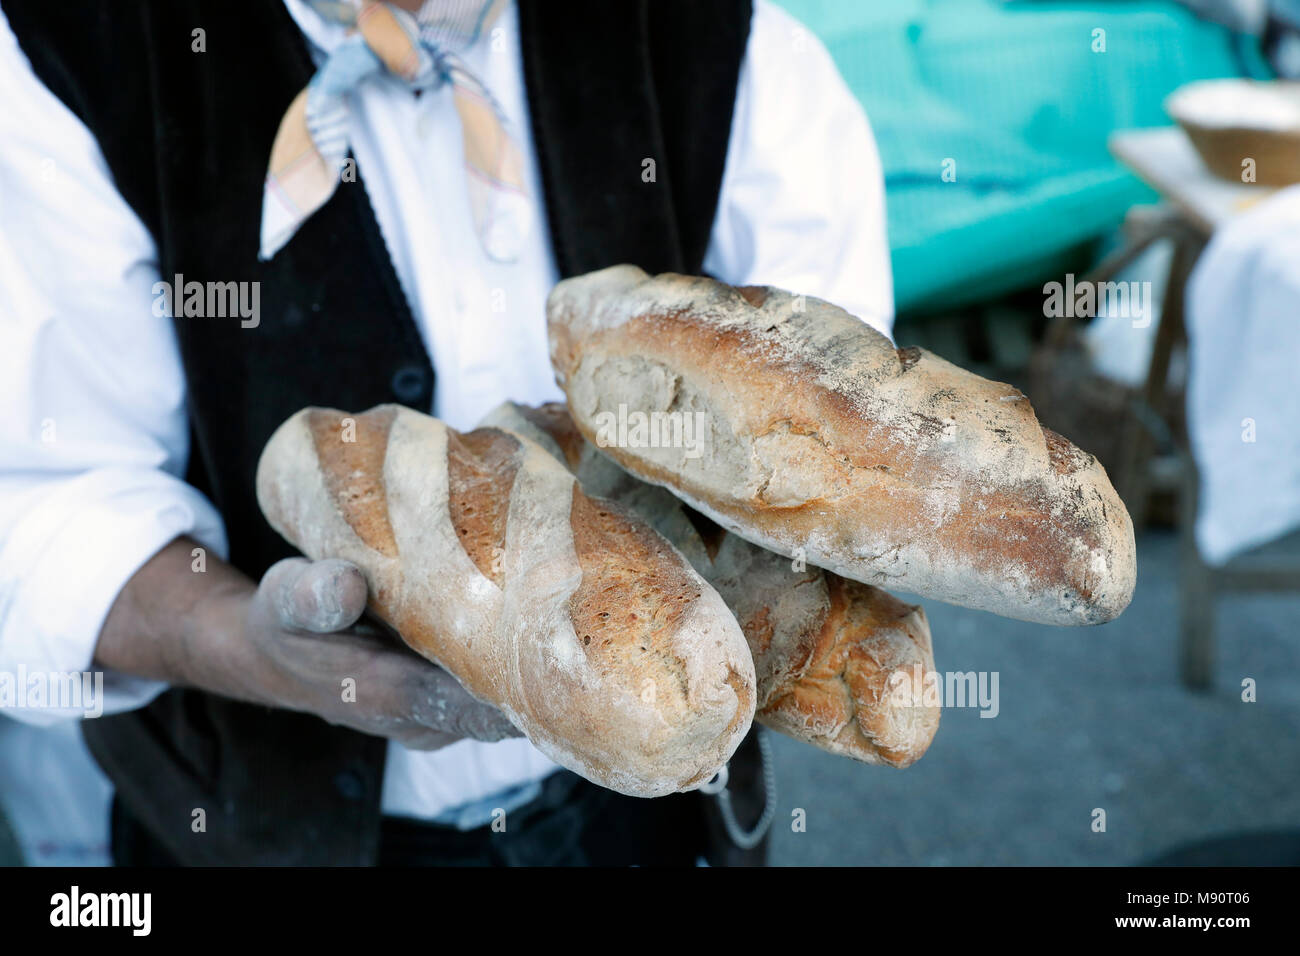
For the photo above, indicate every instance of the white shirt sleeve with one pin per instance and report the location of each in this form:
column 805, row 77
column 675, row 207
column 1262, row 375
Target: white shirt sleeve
column 802, row 205
column 94, row 437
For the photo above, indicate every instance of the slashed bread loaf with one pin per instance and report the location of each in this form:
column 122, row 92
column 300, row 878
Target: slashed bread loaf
column 594, row 636
column 888, row 466
column 840, row 664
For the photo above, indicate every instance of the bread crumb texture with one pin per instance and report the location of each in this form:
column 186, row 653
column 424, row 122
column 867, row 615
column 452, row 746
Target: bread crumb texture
column 351, row 450
column 481, row 468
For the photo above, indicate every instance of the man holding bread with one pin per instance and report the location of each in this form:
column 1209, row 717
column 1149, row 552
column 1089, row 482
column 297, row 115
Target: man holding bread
column 215, row 215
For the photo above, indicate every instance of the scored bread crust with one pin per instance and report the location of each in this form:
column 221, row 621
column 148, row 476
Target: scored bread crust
column 888, row 466
column 839, row 664
column 586, row 628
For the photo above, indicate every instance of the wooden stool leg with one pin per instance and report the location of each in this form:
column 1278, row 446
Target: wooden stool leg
column 1135, row 453
column 1195, row 593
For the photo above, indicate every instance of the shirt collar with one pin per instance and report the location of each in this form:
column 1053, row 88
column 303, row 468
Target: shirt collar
column 324, row 36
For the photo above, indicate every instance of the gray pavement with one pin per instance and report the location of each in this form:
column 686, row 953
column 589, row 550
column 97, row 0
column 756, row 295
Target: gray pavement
column 1089, row 718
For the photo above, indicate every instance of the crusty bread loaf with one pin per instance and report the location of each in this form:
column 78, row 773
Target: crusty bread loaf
column 595, row 637
column 837, row 662
column 888, row 466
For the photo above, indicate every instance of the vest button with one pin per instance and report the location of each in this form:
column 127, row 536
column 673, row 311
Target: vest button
column 350, row 785
column 410, row 383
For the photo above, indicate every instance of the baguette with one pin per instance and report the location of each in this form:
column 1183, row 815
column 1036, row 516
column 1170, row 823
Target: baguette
column 585, row 627
column 837, row 662
column 888, row 466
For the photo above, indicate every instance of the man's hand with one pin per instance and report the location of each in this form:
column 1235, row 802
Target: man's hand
column 301, row 628
column 292, row 642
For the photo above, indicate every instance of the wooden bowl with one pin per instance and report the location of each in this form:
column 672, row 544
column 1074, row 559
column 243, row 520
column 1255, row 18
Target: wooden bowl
column 1230, row 121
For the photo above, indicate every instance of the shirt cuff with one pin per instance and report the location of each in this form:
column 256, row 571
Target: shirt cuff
column 61, row 569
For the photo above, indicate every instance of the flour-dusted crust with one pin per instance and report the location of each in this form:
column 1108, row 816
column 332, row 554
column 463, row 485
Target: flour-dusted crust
column 888, row 466
column 839, row 664
column 593, row 635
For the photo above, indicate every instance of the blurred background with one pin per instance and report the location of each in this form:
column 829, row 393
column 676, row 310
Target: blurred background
column 1032, row 143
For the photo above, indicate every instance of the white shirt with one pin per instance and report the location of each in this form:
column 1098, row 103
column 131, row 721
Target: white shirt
column 94, row 440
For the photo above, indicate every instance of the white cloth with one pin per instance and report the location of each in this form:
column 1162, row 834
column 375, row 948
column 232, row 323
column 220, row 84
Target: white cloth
column 802, row 206
column 55, row 798
column 1243, row 326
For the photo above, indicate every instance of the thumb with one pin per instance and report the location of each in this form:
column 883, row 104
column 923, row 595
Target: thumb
column 315, row 596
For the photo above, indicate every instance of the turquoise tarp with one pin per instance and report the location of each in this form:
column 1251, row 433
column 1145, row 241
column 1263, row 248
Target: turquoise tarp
column 1016, row 94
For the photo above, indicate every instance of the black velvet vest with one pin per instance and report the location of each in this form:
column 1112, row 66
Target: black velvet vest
column 187, row 135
